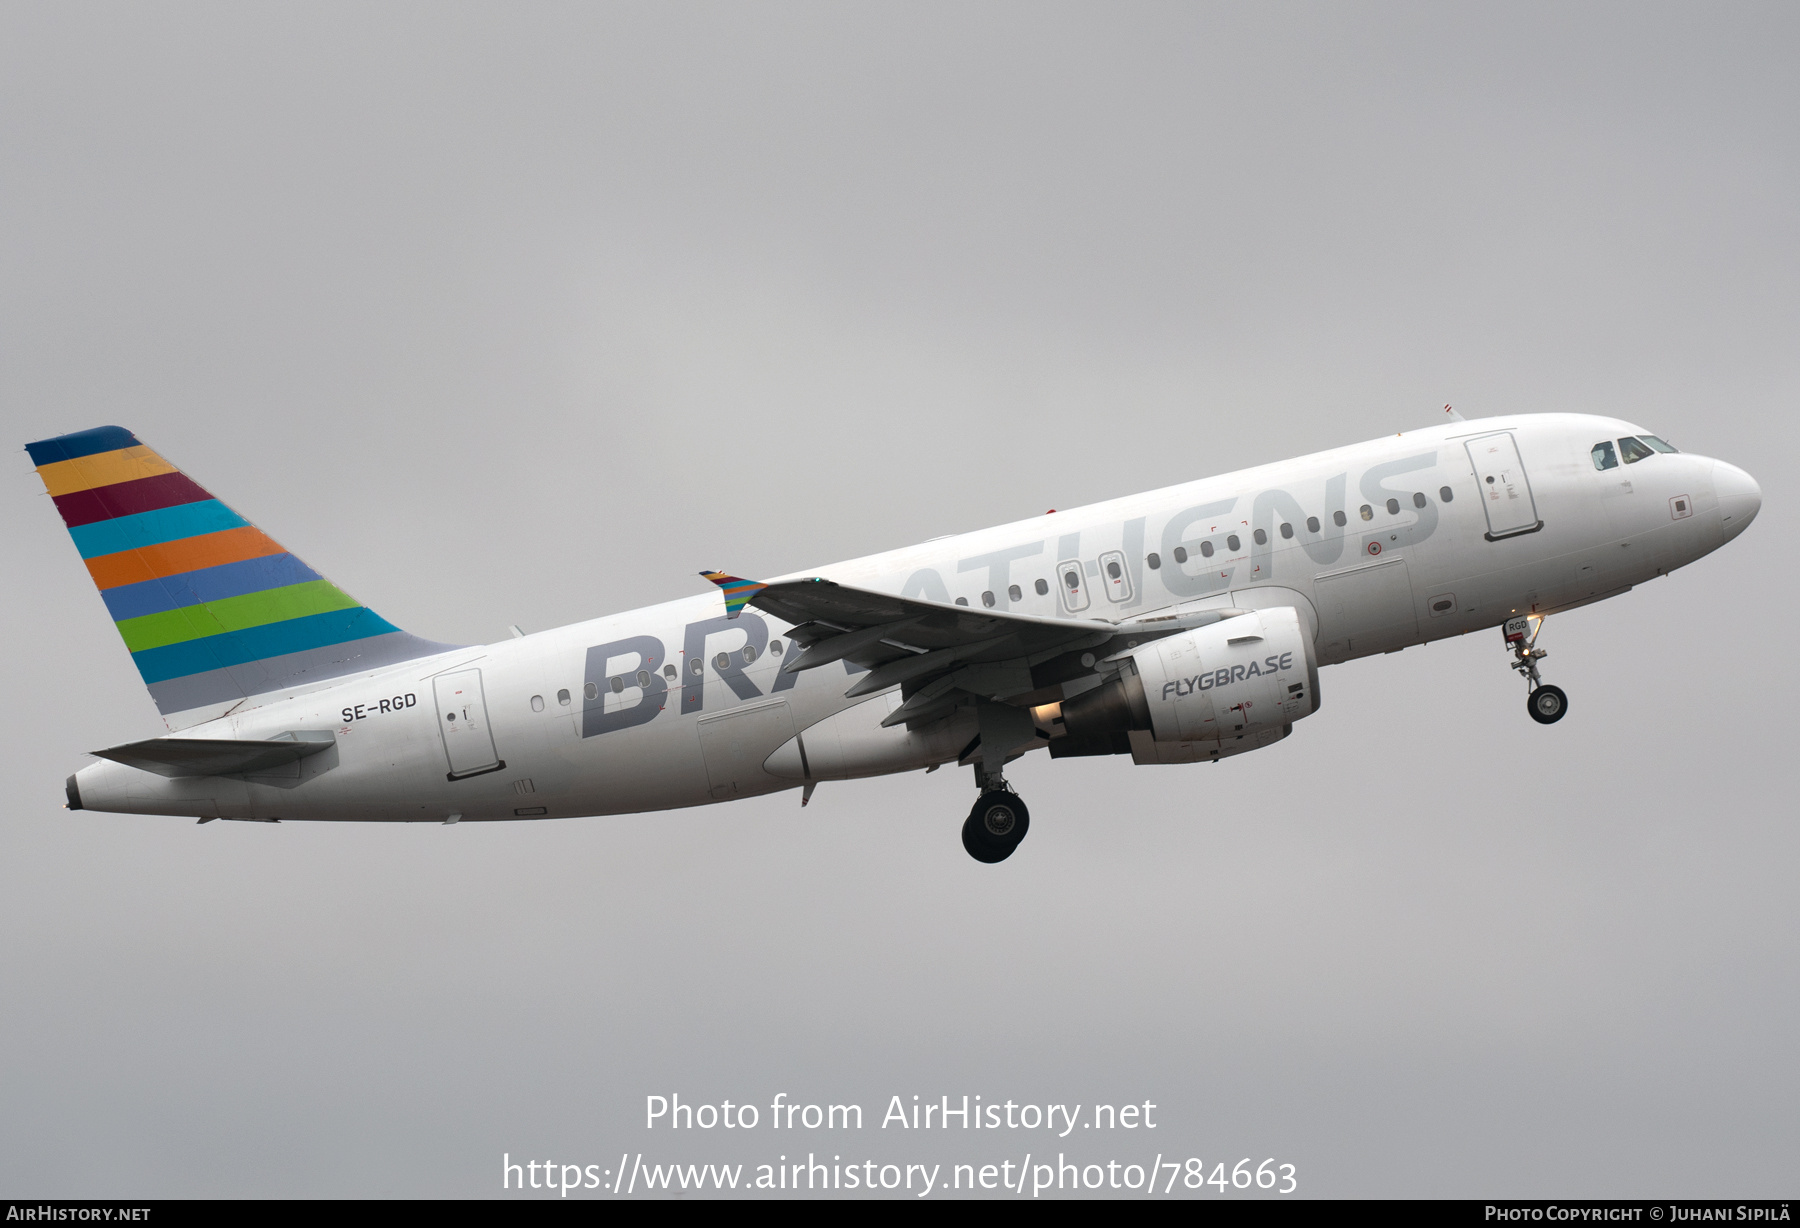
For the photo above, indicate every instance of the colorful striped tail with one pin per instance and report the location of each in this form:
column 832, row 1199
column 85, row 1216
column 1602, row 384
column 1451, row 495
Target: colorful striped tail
column 212, row 609
column 738, row 591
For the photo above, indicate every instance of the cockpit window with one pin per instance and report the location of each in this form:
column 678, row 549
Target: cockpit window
column 1661, row 445
column 1603, row 455
column 1634, row 450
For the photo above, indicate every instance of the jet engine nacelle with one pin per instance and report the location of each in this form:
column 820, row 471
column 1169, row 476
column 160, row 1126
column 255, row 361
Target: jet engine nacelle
column 1230, row 679
column 1243, row 680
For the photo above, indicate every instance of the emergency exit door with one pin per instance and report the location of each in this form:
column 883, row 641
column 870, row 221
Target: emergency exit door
column 463, row 723
column 1505, row 490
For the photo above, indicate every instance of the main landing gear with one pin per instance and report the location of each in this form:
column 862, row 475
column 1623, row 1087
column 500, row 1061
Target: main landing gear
column 1546, row 703
column 998, row 822
column 996, row 826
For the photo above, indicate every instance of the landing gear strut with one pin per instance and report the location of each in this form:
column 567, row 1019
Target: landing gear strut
column 1546, row 703
column 998, row 822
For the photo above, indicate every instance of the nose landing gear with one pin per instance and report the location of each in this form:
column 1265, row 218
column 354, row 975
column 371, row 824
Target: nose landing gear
column 998, row 822
column 1546, row 703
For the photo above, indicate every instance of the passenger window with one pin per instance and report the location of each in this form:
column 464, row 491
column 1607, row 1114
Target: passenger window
column 696, row 667
column 591, row 690
column 668, row 672
column 1312, row 524
column 1072, row 578
column 1659, row 444
column 1232, row 544
column 987, row 599
column 962, row 601
column 1367, row 512
column 1287, row 530
column 1113, row 570
column 1260, row 538
column 1181, row 554
column 1418, row 498
column 1634, row 450
column 1446, row 494
column 1393, row 506
column 749, row 653
column 1043, row 587
column 562, row 697
column 643, row 677
column 775, row 647
column 537, row 703
column 616, row 683
column 1337, row 518
column 1206, row 549
column 1014, row 593
column 1153, row 560
column 1603, row 455
column 722, row 661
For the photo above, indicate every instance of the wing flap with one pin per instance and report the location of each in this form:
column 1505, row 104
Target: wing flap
column 910, row 667
column 941, row 655
column 837, row 647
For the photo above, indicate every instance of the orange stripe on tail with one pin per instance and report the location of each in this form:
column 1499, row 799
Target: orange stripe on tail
column 187, row 554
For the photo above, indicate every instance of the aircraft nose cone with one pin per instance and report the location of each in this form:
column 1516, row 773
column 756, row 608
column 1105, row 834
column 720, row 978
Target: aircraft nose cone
column 1740, row 498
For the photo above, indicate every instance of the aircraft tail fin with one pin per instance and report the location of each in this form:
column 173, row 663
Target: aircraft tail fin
column 212, row 609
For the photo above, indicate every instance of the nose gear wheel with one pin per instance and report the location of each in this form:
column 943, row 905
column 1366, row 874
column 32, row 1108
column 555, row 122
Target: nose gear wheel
column 1547, row 704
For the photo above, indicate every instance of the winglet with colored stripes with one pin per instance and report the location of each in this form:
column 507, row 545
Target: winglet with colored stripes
column 738, row 592
column 212, row 610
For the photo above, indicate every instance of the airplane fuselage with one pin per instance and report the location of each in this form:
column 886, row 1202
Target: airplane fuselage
column 1378, row 546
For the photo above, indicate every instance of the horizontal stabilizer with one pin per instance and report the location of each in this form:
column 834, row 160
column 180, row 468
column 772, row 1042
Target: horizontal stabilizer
column 218, row 756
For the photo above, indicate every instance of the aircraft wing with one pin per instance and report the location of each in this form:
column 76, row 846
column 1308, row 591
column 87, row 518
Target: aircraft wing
column 931, row 649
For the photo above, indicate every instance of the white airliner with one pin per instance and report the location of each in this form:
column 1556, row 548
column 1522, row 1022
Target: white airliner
column 1184, row 625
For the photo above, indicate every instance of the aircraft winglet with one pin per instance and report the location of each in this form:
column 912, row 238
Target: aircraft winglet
column 737, row 591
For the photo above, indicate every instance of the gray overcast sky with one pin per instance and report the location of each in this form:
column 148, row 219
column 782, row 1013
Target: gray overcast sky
column 524, row 314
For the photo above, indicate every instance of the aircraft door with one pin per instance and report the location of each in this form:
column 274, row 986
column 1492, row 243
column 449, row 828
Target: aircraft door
column 1070, row 583
column 463, row 724
column 1115, row 577
column 1505, row 490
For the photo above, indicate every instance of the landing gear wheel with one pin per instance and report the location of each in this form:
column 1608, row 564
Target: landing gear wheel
column 979, row 851
column 995, row 826
column 1547, row 704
